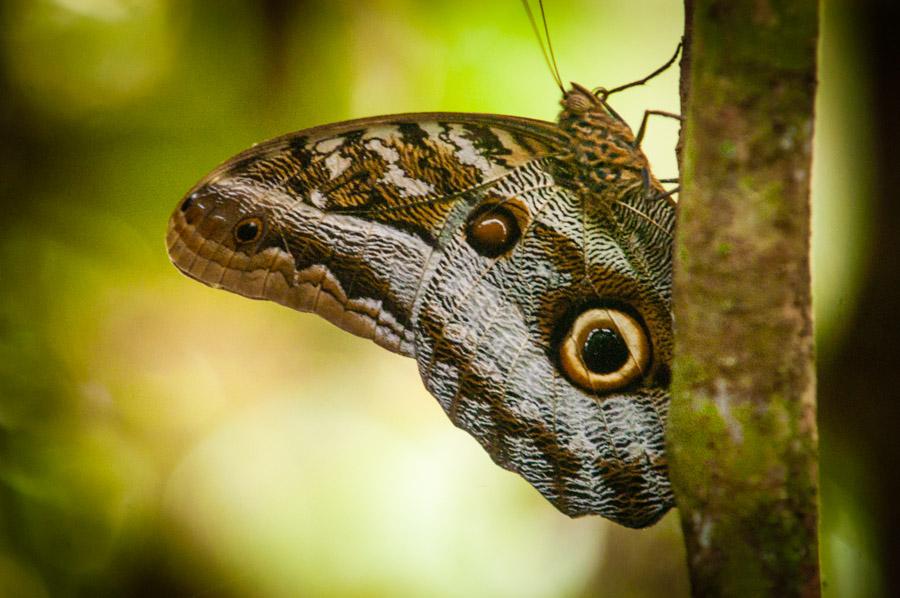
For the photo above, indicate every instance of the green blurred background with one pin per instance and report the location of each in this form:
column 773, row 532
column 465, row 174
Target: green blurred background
column 159, row 438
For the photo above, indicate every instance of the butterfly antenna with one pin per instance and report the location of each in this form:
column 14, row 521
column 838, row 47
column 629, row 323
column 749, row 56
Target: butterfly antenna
column 605, row 93
column 550, row 46
column 550, row 58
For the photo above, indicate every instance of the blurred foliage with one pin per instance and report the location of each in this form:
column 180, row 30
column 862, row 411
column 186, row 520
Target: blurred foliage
column 160, row 438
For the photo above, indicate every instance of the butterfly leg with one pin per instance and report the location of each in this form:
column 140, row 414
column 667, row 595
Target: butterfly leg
column 602, row 93
column 645, row 175
column 643, row 128
column 605, row 93
column 666, row 194
column 645, row 178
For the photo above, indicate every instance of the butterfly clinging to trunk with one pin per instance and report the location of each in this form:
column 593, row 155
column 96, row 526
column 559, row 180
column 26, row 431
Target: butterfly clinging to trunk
column 525, row 265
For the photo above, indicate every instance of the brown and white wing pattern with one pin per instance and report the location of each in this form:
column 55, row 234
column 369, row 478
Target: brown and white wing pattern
column 465, row 242
column 348, row 216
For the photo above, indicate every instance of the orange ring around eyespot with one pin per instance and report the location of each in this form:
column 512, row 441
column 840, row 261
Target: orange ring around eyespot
column 631, row 332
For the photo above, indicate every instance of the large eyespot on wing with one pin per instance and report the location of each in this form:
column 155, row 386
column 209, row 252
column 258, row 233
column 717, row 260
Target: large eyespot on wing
column 605, row 349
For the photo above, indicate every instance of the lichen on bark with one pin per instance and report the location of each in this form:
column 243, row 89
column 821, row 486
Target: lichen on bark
column 741, row 434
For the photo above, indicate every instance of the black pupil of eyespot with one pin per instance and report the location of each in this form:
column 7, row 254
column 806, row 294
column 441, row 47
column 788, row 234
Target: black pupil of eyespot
column 247, row 231
column 188, row 202
column 605, row 351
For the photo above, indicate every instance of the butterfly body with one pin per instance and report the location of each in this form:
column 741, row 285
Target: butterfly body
column 512, row 258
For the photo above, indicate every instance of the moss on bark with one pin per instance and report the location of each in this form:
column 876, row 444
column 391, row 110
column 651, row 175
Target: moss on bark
column 742, row 434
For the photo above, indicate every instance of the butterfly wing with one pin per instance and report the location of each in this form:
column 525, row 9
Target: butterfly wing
column 487, row 341
column 369, row 224
column 352, row 213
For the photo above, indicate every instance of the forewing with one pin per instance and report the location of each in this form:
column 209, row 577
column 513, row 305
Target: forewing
column 353, row 213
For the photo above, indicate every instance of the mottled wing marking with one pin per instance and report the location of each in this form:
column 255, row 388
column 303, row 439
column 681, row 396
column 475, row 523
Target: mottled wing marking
column 366, row 204
column 485, row 350
column 405, row 174
column 366, row 226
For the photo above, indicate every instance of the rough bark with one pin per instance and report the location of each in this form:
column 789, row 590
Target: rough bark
column 742, row 431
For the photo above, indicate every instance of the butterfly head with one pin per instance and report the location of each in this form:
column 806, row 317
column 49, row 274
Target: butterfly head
column 579, row 100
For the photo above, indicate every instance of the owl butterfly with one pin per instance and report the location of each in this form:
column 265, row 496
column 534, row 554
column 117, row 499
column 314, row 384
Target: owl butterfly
column 525, row 265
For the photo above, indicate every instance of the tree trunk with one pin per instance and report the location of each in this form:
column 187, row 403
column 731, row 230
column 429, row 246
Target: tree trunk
column 742, row 439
